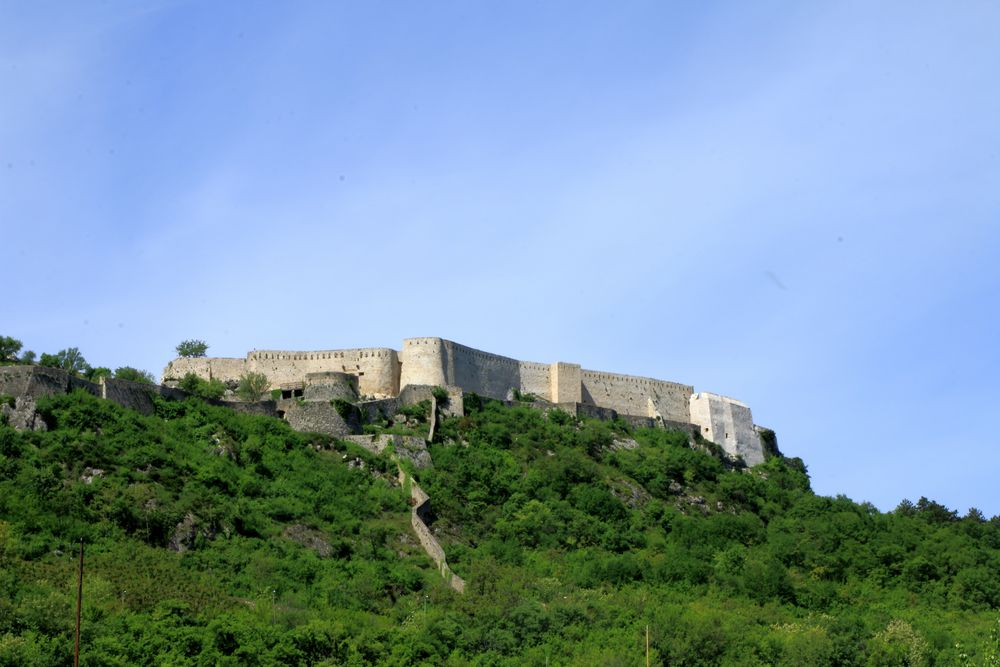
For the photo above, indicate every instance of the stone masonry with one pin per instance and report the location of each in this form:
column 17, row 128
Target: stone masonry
column 383, row 373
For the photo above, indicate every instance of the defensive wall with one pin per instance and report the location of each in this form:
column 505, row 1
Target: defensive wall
column 383, row 373
column 727, row 422
column 38, row 381
column 376, row 368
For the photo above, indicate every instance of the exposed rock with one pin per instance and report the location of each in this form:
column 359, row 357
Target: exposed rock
column 90, row 474
column 675, row 488
column 413, row 449
column 184, row 534
column 631, row 494
column 23, row 416
column 623, row 443
column 407, row 447
column 309, row 538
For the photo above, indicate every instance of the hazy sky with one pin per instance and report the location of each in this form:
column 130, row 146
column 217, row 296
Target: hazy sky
column 793, row 203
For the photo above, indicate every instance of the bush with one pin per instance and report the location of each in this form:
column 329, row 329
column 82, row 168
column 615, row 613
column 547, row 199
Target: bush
column 211, row 389
column 252, row 386
column 134, row 375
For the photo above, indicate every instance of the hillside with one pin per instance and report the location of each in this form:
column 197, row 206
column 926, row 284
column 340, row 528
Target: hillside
column 219, row 538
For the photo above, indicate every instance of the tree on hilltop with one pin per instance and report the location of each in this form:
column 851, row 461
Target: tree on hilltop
column 69, row 359
column 9, row 347
column 192, row 348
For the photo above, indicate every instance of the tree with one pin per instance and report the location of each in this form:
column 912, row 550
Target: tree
column 134, row 375
column 95, row 374
column 28, row 357
column 69, row 359
column 253, row 386
column 211, row 389
column 192, row 348
column 9, row 347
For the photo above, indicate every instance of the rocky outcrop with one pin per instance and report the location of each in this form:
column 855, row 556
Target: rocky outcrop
column 309, row 538
column 23, row 416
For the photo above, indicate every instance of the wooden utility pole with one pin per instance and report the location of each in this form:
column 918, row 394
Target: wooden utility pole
column 79, row 605
column 647, row 645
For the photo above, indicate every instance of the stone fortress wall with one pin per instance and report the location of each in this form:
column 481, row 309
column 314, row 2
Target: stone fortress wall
column 428, row 362
column 729, row 423
column 377, row 369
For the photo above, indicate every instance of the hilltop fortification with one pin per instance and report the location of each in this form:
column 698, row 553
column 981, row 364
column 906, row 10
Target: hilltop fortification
column 383, row 373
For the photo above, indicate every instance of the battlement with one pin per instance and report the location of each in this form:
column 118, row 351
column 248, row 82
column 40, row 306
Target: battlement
column 432, row 361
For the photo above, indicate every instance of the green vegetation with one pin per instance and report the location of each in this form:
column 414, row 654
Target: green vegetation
column 219, row 538
column 69, row 359
column 253, row 386
column 440, row 394
column 212, row 538
column 9, row 349
column 134, row 375
column 212, row 389
column 192, row 348
column 524, row 397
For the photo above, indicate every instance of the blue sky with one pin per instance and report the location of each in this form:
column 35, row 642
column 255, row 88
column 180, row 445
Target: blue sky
column 795, row 204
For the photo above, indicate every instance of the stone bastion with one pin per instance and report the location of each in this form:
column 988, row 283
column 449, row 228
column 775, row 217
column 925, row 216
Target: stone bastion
column 382, row 373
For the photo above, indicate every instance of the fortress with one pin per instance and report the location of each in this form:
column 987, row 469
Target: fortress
column 384, row 373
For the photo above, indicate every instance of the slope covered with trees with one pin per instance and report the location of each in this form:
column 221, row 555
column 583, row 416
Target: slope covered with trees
column 218, row 538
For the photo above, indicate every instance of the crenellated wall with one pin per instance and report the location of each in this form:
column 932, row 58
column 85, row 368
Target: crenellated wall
column 377, row 368
column 435, row 361
column 632, row 395
column 220, row 368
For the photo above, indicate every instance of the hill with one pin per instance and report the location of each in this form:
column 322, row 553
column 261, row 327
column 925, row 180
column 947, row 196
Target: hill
column 221, row 538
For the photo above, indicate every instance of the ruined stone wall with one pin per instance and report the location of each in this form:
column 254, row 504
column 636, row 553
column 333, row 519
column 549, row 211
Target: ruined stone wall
column 639, row 396
column 331, row 385
column 728, row 423
column 420, row 502
column 220, row 368
column 314, row 417
column 39, row 381
column 136, row 395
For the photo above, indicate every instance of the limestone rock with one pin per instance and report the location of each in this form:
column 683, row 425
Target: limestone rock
column 23, row 416
column 184, row 534
column 623, row 443
column 90, row 474
column 309, row 538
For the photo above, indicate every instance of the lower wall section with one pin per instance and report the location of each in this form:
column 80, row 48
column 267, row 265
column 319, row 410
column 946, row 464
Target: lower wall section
column 314, row 417
column 420, row 502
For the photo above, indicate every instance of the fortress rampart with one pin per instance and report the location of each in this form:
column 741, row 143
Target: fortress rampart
column 376, row 368
column 428, row 362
